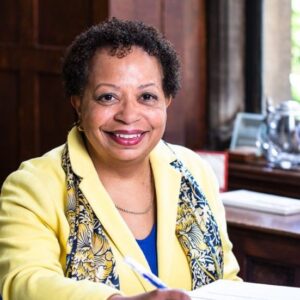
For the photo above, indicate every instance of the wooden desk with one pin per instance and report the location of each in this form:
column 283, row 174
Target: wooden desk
column 267, row 246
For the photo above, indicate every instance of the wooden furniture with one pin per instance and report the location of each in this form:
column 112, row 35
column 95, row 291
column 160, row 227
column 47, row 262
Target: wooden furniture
column 267, row 246
column 255, row 174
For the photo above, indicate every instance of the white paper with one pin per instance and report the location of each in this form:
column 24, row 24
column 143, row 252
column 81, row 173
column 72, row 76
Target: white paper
column 237, row 290
column 261, row 201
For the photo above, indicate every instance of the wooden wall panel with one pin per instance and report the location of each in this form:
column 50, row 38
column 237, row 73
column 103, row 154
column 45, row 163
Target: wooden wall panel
column 54, row 112
column 265, row 257
column 174, row 29
column 33, row 38
column 195, row 83
column 60, row 21
column 9, row 120
column 148, row 11
column 9, row 21
column 265, row 272
column 28, row 143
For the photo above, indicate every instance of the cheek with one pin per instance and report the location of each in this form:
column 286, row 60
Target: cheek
column 93, row 116
column 159, row 117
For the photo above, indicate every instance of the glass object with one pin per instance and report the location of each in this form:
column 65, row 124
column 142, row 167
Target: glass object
column 279, row 138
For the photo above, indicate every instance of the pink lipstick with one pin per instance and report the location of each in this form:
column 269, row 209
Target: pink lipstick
column 127, row 138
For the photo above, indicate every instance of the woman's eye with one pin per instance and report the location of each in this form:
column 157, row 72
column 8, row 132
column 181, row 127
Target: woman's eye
column 106, row 98
column 148, row 97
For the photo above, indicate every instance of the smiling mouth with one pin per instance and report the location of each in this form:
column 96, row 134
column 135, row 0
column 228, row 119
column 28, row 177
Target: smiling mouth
column 128, row 136
column 127, row 139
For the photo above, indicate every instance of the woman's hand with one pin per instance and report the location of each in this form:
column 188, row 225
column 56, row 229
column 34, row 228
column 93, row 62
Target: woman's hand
column 160, row 294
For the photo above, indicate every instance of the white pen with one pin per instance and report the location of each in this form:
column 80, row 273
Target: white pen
column 149, row 276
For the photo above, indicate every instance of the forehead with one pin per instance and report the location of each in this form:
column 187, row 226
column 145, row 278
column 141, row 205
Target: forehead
column 134, row 61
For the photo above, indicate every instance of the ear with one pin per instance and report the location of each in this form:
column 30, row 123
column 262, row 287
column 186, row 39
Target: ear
column 76, row 103
column 169, row 101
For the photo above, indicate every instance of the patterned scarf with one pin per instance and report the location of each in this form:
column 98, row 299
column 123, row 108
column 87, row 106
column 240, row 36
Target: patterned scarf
column 89, row 255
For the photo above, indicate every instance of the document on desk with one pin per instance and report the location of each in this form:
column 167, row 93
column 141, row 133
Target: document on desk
column 236, row 290
column 262, row 202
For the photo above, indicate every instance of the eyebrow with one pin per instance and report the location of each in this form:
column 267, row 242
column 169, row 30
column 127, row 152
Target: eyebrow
column 107, row 84
column 117, row 87
column 147, row 85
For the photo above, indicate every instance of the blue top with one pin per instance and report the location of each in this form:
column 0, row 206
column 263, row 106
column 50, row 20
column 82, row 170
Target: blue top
column 148, row 246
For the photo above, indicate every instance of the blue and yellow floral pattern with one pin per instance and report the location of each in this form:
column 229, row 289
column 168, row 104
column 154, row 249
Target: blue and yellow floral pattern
column 197, row 231
column 89, row 255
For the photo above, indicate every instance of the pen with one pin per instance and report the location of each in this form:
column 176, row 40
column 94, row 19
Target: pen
column 149, row 276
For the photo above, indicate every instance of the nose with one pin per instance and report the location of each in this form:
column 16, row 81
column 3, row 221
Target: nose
column 128, row 112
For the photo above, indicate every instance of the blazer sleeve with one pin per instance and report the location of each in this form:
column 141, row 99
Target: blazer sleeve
column 30, row 245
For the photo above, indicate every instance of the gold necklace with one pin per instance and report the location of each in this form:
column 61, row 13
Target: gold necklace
column 135, row 212
column 143, row 212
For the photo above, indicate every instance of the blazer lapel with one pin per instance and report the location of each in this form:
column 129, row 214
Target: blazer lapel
column 167, row 184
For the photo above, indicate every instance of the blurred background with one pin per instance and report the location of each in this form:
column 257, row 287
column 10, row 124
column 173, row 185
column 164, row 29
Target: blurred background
column 234, row 54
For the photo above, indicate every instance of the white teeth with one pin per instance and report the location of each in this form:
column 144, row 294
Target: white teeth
column 128, row 136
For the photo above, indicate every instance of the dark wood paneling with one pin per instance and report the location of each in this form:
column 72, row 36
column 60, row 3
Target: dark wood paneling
column 258, row 176
column 265, row 272
column 185, row 25
column 9, row 121
column 27, row 22
column 9, row 21
column 174, row 29
column 29, row 143
column 55, row 114
column 193, row 98
column 148, row 11
column 33, row 37
column 59, row 21
column 266, row 246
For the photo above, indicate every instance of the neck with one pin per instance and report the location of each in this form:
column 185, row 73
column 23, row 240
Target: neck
column 124, row 170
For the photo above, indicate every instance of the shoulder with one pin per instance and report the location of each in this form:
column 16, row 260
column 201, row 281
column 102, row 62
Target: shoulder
column 37, row 188
column 190, row 158
column 198, row 167
column 184, row 152
column 43, row 165
column 37, row 173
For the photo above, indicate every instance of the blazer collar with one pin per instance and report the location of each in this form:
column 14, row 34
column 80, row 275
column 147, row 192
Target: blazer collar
column 167, row 184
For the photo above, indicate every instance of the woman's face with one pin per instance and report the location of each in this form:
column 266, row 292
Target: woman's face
column 123, row 108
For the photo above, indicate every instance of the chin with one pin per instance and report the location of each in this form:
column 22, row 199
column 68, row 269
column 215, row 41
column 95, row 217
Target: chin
column 130, row 155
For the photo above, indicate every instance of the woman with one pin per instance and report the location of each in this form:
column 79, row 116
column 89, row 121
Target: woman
column 115, row 189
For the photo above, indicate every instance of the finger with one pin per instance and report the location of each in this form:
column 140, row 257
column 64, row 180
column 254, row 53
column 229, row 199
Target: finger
column 169, row 294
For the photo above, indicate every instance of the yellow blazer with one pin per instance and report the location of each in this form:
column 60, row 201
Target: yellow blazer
column 34, row 229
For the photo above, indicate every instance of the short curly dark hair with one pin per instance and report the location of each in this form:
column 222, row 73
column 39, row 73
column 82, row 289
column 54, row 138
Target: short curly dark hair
column 119, row 36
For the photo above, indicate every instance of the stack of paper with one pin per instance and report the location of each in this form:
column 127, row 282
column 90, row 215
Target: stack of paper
column 261, row 201
column 235, row 290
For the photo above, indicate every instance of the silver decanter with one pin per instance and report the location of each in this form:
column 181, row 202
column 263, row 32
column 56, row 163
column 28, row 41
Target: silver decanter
column 280, row 135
